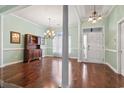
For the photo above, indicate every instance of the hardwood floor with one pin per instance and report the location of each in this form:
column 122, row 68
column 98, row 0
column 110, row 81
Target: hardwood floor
column 47, row 73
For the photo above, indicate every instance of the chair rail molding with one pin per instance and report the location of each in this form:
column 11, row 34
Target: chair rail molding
column 13, row 49
column 111, row 50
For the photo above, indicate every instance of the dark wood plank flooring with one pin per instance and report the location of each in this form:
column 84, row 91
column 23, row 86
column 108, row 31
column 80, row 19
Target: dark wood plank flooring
column 47, row 73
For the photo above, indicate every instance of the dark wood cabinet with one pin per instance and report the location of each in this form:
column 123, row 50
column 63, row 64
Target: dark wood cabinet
column 32, row 48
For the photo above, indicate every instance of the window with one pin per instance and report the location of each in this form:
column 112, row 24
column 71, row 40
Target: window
column 85, row 46
column 57, row 45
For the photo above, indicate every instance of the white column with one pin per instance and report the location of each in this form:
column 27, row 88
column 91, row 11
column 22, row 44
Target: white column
column 0, row 43
column 1, row 47
column 65, row 48
column 1, row 40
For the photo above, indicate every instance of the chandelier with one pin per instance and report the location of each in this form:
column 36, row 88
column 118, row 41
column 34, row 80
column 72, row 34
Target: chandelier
column 50, row 33
column 94, row 17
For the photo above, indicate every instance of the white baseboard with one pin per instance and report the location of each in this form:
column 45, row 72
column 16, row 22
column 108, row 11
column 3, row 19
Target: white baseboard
column 58, row 56
column 85, row 61
column 43, row 55
column 48, row 56
column 122, row 75
column 112, row 67
column 79, row 60
column 73, row 57
column 0, row 65
column 18, row 61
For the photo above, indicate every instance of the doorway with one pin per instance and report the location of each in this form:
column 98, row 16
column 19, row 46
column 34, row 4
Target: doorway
column 121, row 48
column 1, row 41
column 93, row 45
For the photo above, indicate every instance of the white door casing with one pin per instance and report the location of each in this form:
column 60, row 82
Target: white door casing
column 0, row 44
column 1, row 40
column 122, row 47
column 93, row 46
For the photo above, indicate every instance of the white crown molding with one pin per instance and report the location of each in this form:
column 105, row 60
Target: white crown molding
column 17, row 7
column 77, row 13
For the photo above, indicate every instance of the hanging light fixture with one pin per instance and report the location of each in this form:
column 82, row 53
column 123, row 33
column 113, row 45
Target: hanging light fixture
column 94, row 17
column 50, row 33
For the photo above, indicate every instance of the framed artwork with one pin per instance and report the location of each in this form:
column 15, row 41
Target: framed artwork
column 15, row 37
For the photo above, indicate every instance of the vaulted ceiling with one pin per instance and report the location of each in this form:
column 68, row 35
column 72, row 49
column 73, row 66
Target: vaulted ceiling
column 39, row 14
column 86, row 10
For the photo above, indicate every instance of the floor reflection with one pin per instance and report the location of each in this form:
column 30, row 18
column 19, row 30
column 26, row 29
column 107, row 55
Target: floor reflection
column 48, row 74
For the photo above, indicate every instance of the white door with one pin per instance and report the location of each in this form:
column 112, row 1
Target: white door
column 93, row 46
column 0, row 43
column 122, row 48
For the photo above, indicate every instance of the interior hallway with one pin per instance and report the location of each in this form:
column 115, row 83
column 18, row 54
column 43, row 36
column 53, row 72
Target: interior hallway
column 47, row 73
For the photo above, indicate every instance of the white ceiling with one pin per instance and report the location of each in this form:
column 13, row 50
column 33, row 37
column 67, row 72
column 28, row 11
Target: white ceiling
column 86, row 10
column 39, row 14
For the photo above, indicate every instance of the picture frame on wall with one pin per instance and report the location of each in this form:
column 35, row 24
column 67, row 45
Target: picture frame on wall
column 14, row 37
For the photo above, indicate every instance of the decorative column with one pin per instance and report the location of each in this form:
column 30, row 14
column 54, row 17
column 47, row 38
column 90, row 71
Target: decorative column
column 1, row 40
column 65, row 60
column 1, row 48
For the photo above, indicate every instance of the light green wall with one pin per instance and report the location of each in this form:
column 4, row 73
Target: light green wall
column 12, row 23
column 4, row 8
column 111, row 34
column 73, row 32
column 110, row 24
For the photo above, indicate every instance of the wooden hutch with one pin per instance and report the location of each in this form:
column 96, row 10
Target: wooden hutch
column 32, row 48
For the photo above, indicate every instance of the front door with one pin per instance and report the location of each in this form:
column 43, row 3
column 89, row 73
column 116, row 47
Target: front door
column 93, row 45
column 122, row 47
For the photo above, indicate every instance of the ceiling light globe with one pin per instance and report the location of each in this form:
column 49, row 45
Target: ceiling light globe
column 94, row 21
column 90, row 19
column 100, row 17
column 50, row 34
column 53, row 32
column 44, row 33
column 48, row 31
